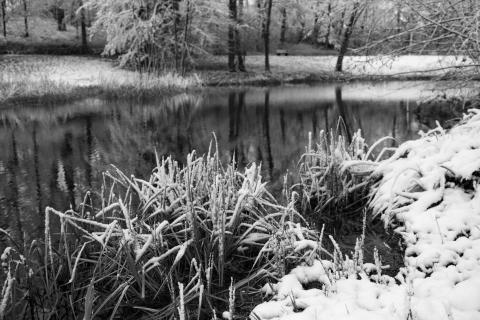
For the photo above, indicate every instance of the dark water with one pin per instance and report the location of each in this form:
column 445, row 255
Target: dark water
column 51, row 155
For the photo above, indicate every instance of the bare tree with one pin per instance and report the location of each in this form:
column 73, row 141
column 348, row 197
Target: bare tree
column 329, row 23
column 455, row 25
column 176, row 31
column 356, row 11
column 340, row 22
column 301, row 21
column 266, row 32
column 58, row 13
column 83, row 27
column 437, row 26
column 3, row 5
column 283, row 25
column 25, row 18
column 235, row 10
column 316, row 23
column 232, row 11
column 238, row 38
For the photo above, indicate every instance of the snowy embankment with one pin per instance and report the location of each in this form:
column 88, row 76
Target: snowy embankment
column 428, row 192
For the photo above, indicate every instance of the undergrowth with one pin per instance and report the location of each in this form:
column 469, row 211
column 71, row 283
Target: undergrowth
column 190, row 242
column 335, row 178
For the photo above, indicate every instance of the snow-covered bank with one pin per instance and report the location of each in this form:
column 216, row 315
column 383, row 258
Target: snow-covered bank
column 429, row 192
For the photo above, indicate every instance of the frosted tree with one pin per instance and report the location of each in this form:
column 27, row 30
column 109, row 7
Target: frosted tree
column 156, row 35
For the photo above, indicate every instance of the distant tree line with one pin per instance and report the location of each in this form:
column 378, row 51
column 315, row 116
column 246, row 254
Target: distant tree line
column 62, row 11
column 171, row 34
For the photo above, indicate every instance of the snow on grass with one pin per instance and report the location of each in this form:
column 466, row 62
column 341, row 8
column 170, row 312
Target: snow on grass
column 359, row 65
column 391, row 65
column 24, row 76
column 429, row 191
column 78, row 71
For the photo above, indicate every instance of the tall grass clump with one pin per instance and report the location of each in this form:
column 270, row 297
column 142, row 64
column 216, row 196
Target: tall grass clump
column 335, row 178
column 189, row 242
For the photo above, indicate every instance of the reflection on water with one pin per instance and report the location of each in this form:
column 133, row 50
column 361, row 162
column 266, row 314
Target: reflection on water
column 51, row 155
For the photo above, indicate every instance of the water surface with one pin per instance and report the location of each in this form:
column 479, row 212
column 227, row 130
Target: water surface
column 52, row 154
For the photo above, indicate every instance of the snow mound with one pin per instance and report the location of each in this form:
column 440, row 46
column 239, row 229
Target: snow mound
column 428, row 190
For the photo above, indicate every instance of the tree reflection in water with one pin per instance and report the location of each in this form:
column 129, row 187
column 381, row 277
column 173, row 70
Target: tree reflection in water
column 53, row 154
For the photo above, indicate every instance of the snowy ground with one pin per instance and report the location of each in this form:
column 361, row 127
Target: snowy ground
column 72, row 71
column 23, row 77
column 429, row 193
column 358, row 65
column 42, row 72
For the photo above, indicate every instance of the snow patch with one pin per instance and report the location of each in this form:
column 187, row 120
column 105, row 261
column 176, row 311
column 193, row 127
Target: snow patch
column 429, row 190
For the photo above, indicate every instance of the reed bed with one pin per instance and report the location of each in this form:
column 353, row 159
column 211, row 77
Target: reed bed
column 335, row 177
column 190, row 242
column 335, row 183
column 201, row 240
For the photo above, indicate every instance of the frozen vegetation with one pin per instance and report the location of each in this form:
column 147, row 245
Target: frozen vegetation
column 205, row 239
column 428, row 193
column 31, row 78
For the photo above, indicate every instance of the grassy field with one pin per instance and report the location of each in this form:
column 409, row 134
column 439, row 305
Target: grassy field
column 34, row 78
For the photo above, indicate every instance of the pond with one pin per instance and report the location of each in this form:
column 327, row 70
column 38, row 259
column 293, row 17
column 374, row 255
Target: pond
column 52, row 154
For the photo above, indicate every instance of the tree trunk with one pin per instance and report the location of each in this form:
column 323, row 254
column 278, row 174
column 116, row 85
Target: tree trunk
column 59, row 14
column 329, row 24
column 266, row 32
column 283, row 27
column 238, row 38
column 232, row 14
column 301, row 32
column 25, row 17
column 346, row 35
column 4, row 18
column 316, row 28
column 399, row 23
column 259, row 4
column 342, row 18
column 185, row 48
column 83, row 27
column 176, row 26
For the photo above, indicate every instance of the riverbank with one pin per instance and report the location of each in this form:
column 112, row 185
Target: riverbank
column 301, row 69
column 37, row 78
column 43, row 78
column 209, row 228
column 428, row 193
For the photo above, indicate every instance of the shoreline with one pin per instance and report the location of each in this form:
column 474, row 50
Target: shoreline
column 429, row 201
column 70, row 82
